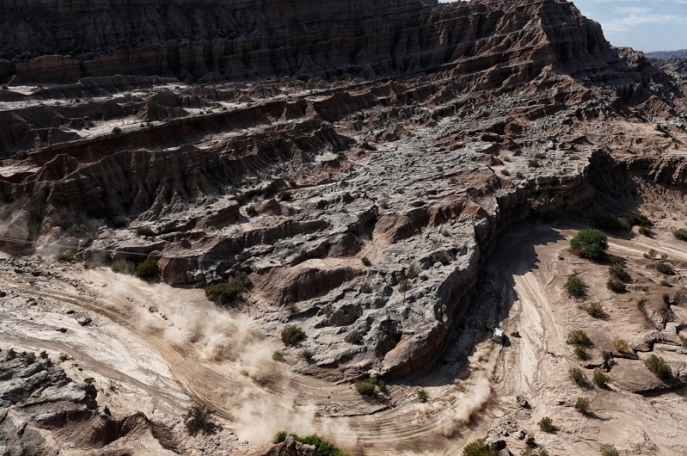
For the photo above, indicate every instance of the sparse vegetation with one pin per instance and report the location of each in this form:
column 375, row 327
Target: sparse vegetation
column 645, row 231
column 285, row 196
column 505, row 172
column 366, row 288
column 328, row 310
column 519, row 175
column 639, row 219
column 291, row 335
column 80, row 231
column 680, row 234
column 665, row 268
column 144, row 230
column 198, row 419
column 578, row 377
column 535, row 452
column 120, row 221
column 590, row 244
column 413, row 272
column 579, row 338
column 366, row 261
column 546, row 425
column 575, row 286
column 616, row 285
column 29, row 358
column 582, row 405
column 621, row 346
column 228, row 292
column 116, row 130
column 479, row 448
column 600, row 379
column 147, row 270
column 581, row 353
column 307, row 355
column 65, row 257
column 89, row 380
column 665, row 283
column 366, row 387
column 618, row 271
column 658, row 366
column 354, row 337
column 278, row 356
column 421, row 394
column 596, row 310
column 441, row 257
column 251, row 211
column 323, row 447
column 608, row 450
column 611, row 224
column 123, row 266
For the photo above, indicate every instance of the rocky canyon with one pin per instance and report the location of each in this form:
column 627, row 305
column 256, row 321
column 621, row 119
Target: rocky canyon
column 222, row 220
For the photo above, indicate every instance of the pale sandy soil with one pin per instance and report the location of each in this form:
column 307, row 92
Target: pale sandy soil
column 190, row 351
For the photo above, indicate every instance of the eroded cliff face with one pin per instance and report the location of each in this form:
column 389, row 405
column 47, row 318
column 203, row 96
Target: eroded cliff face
column 354, row 203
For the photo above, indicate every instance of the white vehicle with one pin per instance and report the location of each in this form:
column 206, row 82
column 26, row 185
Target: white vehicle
column 498, row 335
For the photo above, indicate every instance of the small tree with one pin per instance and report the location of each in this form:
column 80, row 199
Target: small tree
column 148, row 270
column 546, row 425
column 590, row 244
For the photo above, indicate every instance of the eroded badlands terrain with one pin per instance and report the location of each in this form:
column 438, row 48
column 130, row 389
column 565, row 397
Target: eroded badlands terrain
column 395, row 192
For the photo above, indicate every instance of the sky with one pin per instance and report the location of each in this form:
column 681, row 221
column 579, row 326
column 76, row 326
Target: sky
column 645, row 25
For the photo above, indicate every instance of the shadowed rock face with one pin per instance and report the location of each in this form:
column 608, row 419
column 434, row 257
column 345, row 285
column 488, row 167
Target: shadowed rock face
column 238, row 40
column 354, row 202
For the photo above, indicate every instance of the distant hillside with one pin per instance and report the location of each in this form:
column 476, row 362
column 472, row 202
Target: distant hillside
column 667, row 55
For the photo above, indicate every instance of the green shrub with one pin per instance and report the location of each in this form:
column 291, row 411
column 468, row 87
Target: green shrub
column 307, row 355
column 578, row 377
column 198, row 419
column 575, row 286
column 292, row 335
column 546, row 425
column 505, row 172
column 639, row 219
column 480, row 448
column 596, row 310
column 519, row 175
column 120, row 221
column 578, row 337
column 680, row 234
column 29, row 358
column 581, row 353
column 600, row 379
column 535, row 452
column 533, row 163
column 413, row 272
column 354, row 337
column 540, row 156
column 582, row 405
column 645, row 231
column 251, row 211
column 89, row 380
column 147, row 270
column 590, row 244
column 278, row 356
column 228, row 292
column 441, row 257
column 65, row 257
column 322, row 446
column 144, row 230
column 80, row 231
column 366, row 387
column 421, row 394
column 615, row 285
column 619, row 272
column 285, row 196
column 610, row 224
column 665, row 283
column 123, row 266
column 608, row 450
column 665, row 268
column 366, row 261
column 659, row 367
column 117, row 131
